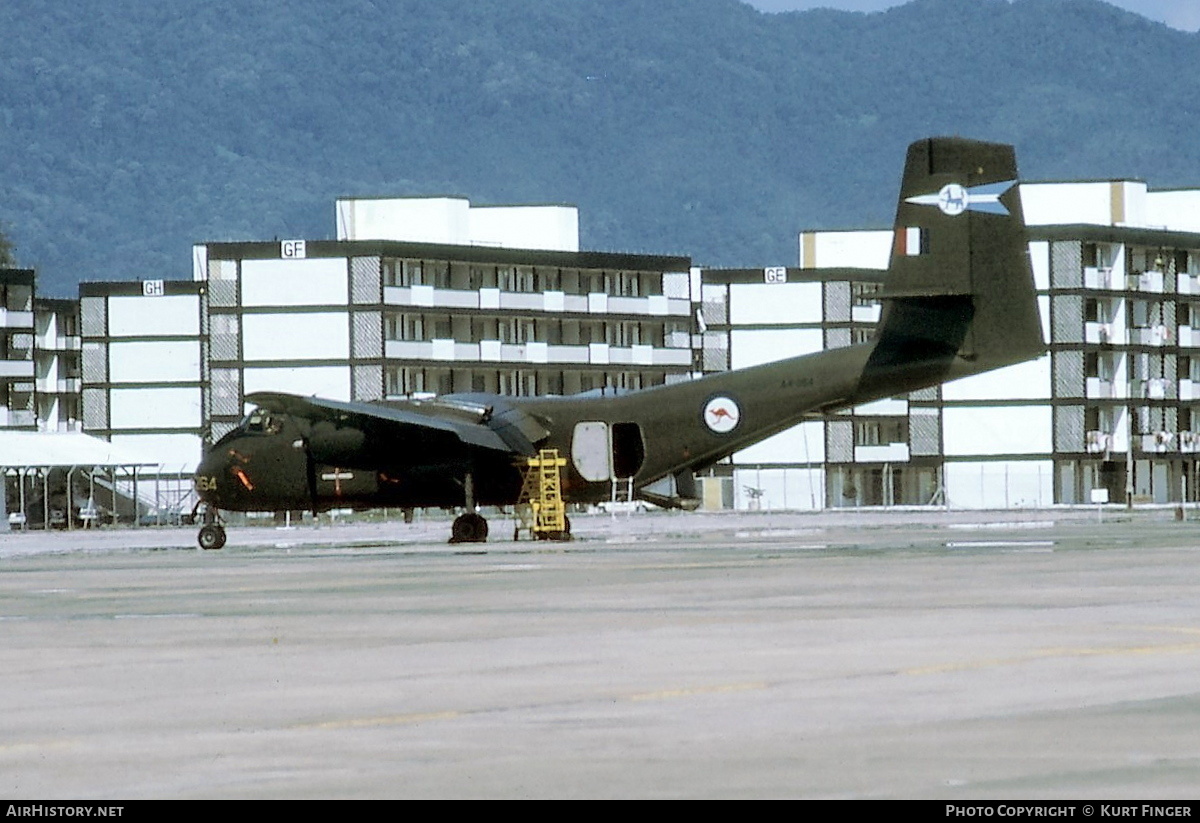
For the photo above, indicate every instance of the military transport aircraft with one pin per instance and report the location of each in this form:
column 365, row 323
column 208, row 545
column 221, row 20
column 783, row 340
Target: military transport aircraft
column 958, row 296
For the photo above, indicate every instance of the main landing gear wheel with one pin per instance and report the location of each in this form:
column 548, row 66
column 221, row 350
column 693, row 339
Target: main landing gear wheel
column 469, row 528
column 211, row 537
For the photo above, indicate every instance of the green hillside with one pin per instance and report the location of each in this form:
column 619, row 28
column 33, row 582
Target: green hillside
column 132, row 129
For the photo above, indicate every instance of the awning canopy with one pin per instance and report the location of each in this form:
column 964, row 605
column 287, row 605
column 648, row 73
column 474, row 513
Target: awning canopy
column 23, row 450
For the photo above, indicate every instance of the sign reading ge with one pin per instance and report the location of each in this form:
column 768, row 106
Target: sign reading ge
column 775, row 274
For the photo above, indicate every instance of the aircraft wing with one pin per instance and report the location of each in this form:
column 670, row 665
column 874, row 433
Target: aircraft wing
column 493, row 426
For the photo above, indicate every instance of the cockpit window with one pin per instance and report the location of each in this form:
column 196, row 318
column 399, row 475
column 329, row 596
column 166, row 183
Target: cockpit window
column 261, row 421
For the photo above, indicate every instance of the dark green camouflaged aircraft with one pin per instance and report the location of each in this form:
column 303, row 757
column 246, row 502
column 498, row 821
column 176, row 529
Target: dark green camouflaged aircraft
column 958, row 299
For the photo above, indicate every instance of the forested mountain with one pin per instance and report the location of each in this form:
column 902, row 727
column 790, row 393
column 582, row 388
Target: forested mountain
column 130, row 129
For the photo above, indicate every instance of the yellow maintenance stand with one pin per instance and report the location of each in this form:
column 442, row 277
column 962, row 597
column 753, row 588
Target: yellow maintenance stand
column 540, row 507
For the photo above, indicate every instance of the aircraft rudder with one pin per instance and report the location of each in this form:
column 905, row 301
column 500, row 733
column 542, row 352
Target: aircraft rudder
column 960, row 252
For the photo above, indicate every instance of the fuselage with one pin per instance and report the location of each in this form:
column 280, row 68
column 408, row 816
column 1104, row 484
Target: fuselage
column 270, row 462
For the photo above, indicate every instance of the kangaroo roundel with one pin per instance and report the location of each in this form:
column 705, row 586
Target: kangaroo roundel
column 952, row 199
column 721, row 414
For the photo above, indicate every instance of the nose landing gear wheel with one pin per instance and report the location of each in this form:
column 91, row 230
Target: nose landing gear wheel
column 469, row 528
column 211, row 537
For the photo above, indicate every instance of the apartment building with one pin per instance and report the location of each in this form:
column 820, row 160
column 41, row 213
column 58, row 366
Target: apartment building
column 1106, row 415
column 378, row 314
column 39, row 357
column 144, row 380
column 18, row 409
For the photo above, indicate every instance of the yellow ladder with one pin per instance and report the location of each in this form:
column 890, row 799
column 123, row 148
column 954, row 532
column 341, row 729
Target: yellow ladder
column 540, row 506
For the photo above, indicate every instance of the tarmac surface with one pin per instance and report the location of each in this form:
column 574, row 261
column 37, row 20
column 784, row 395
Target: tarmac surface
column 1034, row 655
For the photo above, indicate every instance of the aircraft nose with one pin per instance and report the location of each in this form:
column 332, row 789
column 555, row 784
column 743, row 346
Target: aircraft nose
column 211, row 467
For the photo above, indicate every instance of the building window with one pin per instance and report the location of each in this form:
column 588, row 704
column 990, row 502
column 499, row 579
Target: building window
column 526, row 282
column 506, row 278
column 861, row 334
column 442, row 327
column 404, row 381
column 404, row 327
column 483, row 277
column 484, row 328
column 404, row 273
column 437, row 274
column 1099, row 365
column 1185, row 262
column 880, row 431
column 864, row 294
column 548, row 279
column 552, row 382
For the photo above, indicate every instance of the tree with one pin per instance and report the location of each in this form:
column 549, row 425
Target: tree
column 7, row 258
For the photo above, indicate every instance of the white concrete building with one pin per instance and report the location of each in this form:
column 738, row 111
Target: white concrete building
column 39, row 357
column 57, row 368
column 18, row 409
column 454, row 221
column 433, row 295
column 1117, row 268
column 144, row 370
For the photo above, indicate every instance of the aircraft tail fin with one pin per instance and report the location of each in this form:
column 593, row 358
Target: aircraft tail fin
column 959, row 297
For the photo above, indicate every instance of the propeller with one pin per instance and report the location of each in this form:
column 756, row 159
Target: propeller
column 310, row 475
column 328, row 444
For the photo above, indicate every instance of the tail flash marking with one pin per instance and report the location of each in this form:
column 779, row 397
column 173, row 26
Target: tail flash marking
column 954, row 199
column 911, row 241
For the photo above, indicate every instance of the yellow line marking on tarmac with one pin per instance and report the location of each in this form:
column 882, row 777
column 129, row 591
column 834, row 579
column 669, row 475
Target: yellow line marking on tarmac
column 1179, row 629
column 386, row 720
column 1172, row 648
column 670, row 694
column 424, row 717
column 25, row 748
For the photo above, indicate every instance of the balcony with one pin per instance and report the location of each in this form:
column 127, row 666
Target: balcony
column 62, row 385
column 1100, row 389
column 1147, row 281
column 16, row 319
column 17, row 418
column 883, row 453
column 1158, row 442
column 1151, row 335
column 1097, row 278
column 16, row 368
column 493, row 351
column 1098, row 333
column 866, row 314
column 60, row 426
column 1156, row 388
column 536, row 302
